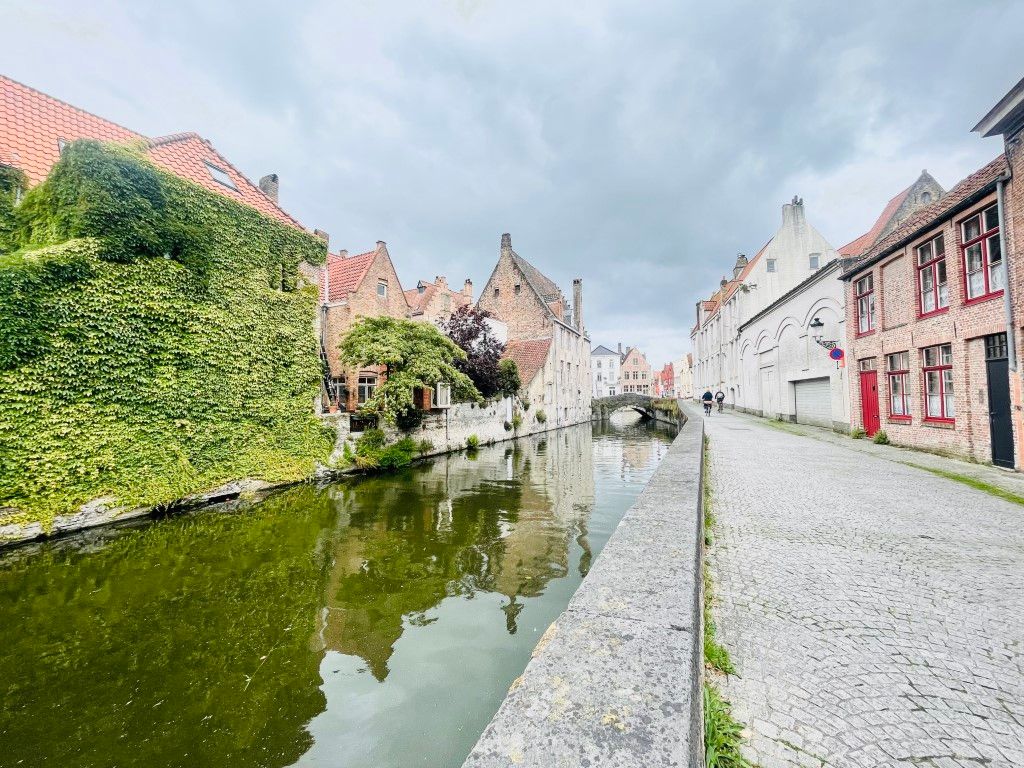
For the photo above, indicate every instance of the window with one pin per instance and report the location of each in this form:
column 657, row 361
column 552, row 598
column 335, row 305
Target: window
column 995, row 347
column 864, row 292
column 495, row 293
column 867, row 364
column 337, row 391
column 933, row 292
column 771, row 265
column 898, row 372
column 938, row 382
column 815, row 259
column 598, row 363
column 983, row 259
column 367, row 384
column 926, row 197
column 61, row 144
column 518, row 289
column 382, row 288
column 220, row 176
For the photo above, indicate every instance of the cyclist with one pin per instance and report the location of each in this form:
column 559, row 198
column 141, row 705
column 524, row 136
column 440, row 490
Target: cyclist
column 707, row 398
column 720, row 399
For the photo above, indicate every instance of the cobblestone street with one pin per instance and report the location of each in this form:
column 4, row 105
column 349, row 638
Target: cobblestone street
column 874, row 611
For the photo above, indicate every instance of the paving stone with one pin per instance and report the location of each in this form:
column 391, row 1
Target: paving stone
column 873, row 610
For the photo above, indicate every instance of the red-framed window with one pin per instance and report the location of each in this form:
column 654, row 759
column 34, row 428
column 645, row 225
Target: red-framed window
column 864, row 300
column 932, row 288
column 897, row 367
column 983, row 258
column 937, row 365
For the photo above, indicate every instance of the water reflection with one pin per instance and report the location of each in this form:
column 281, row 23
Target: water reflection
column 370, row 623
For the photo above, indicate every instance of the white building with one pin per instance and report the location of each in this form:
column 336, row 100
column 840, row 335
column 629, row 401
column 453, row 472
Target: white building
column 785, row 368
column 604, row 369
column 683, row 374
column 795, row 253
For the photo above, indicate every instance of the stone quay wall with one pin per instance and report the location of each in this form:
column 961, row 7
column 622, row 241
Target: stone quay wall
column 617, row 680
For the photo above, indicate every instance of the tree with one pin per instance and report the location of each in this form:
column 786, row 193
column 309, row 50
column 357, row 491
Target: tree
column 413, row 355
column 466, row 327
column 508, row 378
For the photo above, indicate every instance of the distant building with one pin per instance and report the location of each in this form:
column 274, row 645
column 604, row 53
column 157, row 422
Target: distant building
column 635, row 373
column 604, row 369
column 432, row 302
column 664, row 380
column 352, row 287
column 548, row 341
column 683, row 368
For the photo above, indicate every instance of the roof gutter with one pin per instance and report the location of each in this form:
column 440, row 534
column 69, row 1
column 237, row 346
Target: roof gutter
column 1011, row 344
column 967, row 202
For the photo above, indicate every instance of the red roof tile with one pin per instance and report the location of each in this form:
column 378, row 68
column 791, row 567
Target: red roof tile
column 930, row 214
column 343, row 274
column 529, row 356
column 32, row 124
column 418, row 302
column 858, row 246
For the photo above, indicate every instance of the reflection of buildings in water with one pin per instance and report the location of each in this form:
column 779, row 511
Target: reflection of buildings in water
column 638, row 455
column 503, row 523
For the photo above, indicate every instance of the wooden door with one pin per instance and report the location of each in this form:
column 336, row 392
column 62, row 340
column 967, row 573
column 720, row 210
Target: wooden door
column 869, row 402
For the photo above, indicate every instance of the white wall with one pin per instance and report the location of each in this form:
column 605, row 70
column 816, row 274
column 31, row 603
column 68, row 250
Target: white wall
column 778, row 349
column 607, row 367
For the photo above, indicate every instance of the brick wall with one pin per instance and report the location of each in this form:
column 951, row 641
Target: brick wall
column 901, row 328
column 635, row 363
column 508, row 297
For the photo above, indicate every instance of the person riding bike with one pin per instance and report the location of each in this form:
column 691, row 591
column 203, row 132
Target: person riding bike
column 707, row 398
column 720, row 399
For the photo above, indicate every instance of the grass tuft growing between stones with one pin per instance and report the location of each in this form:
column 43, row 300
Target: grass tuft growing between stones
column 973, row 482
column 722, row 734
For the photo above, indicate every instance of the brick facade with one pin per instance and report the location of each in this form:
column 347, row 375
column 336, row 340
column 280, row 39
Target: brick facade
column 903, row 326
column 635, row 373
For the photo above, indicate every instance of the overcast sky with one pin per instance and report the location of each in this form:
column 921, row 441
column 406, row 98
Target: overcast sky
column 639, row 146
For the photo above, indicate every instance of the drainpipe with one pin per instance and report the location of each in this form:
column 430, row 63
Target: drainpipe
column 1011, row 344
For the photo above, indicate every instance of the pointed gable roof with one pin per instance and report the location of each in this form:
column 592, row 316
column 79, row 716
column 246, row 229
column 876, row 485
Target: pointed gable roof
column 33, row 126
column 602, row 351
column 343, row 274
column 529, row 356
column 857, row 246
column 419, row 300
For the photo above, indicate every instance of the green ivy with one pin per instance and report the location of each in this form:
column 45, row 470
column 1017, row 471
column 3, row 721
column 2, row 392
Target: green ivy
column 12, row 181
column 157, row 340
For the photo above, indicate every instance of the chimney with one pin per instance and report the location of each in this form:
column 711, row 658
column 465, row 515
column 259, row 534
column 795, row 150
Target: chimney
column 723, row 283
column 323, row 236
column 381, row 245
column 793, row 213
column 577, row 304
column 440, row 281
column 741, row 262
column 467, row 289
column 269, row 186
column 620, row 349
column 506, row 241
column 343, row 254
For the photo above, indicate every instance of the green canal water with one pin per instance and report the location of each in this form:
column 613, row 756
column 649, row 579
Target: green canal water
column 371, row 622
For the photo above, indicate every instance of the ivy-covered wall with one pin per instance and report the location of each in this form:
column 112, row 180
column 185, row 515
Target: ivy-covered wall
column 156, row 340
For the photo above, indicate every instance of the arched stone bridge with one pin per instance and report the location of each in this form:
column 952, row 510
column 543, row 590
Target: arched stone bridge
column 603, row 407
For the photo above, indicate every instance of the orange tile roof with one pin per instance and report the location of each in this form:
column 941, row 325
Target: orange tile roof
column 930, row 214
column 32, row 124
column 529, row 356
column 343, row 274
column 419, row 302
column 859, row 245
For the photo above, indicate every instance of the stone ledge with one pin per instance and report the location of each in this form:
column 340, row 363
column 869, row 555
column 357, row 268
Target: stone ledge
column 616, row 681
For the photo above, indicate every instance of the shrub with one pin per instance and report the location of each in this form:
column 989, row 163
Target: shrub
column 398, row 454
column 857, row 433
column 370, row 443
column 425, row 446
column 472, row 442
column 881, row 438
column 526, row 405
column 517, row 421
column 542, row 417
column 509, row 382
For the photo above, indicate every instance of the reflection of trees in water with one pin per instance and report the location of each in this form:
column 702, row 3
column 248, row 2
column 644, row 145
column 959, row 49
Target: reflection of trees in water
column 182, row 643
column 408, row 541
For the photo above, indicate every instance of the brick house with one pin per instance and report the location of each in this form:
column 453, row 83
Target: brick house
column 635, row 373
column 431, row 302
column 35, row 127
column 351, row 287
column 548, row 341
column 665, row 381
column 927, row 327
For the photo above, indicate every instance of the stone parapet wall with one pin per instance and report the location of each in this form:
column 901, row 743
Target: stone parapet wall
column 617, row 679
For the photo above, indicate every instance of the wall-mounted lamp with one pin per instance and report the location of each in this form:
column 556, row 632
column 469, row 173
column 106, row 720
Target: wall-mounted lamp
column 816, row 334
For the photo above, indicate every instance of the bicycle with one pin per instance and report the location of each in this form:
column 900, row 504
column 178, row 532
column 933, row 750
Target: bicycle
column 721, row 406
column 707, row 407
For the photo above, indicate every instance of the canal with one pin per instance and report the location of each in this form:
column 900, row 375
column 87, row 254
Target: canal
column 372, row 622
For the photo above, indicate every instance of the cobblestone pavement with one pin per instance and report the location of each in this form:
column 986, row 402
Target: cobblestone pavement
column 874, row 611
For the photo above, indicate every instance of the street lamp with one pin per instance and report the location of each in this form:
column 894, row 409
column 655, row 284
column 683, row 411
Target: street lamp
column 815, row 329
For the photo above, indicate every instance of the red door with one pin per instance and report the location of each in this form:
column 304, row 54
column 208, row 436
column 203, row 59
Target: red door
column 869, row 402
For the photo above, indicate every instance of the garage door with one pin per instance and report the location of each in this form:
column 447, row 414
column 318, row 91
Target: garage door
column 814, row 402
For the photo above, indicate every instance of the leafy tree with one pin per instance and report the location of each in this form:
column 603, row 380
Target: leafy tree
column 466, row 327
column 508, row 378
column 413, row 355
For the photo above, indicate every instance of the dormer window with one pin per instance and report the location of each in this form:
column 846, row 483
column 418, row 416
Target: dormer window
column 420, row 287
column 61, row 144
column 926, row 197
column 220, row 176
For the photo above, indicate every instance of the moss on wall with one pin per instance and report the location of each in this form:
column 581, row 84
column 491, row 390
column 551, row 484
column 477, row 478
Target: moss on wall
column 157, row 340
